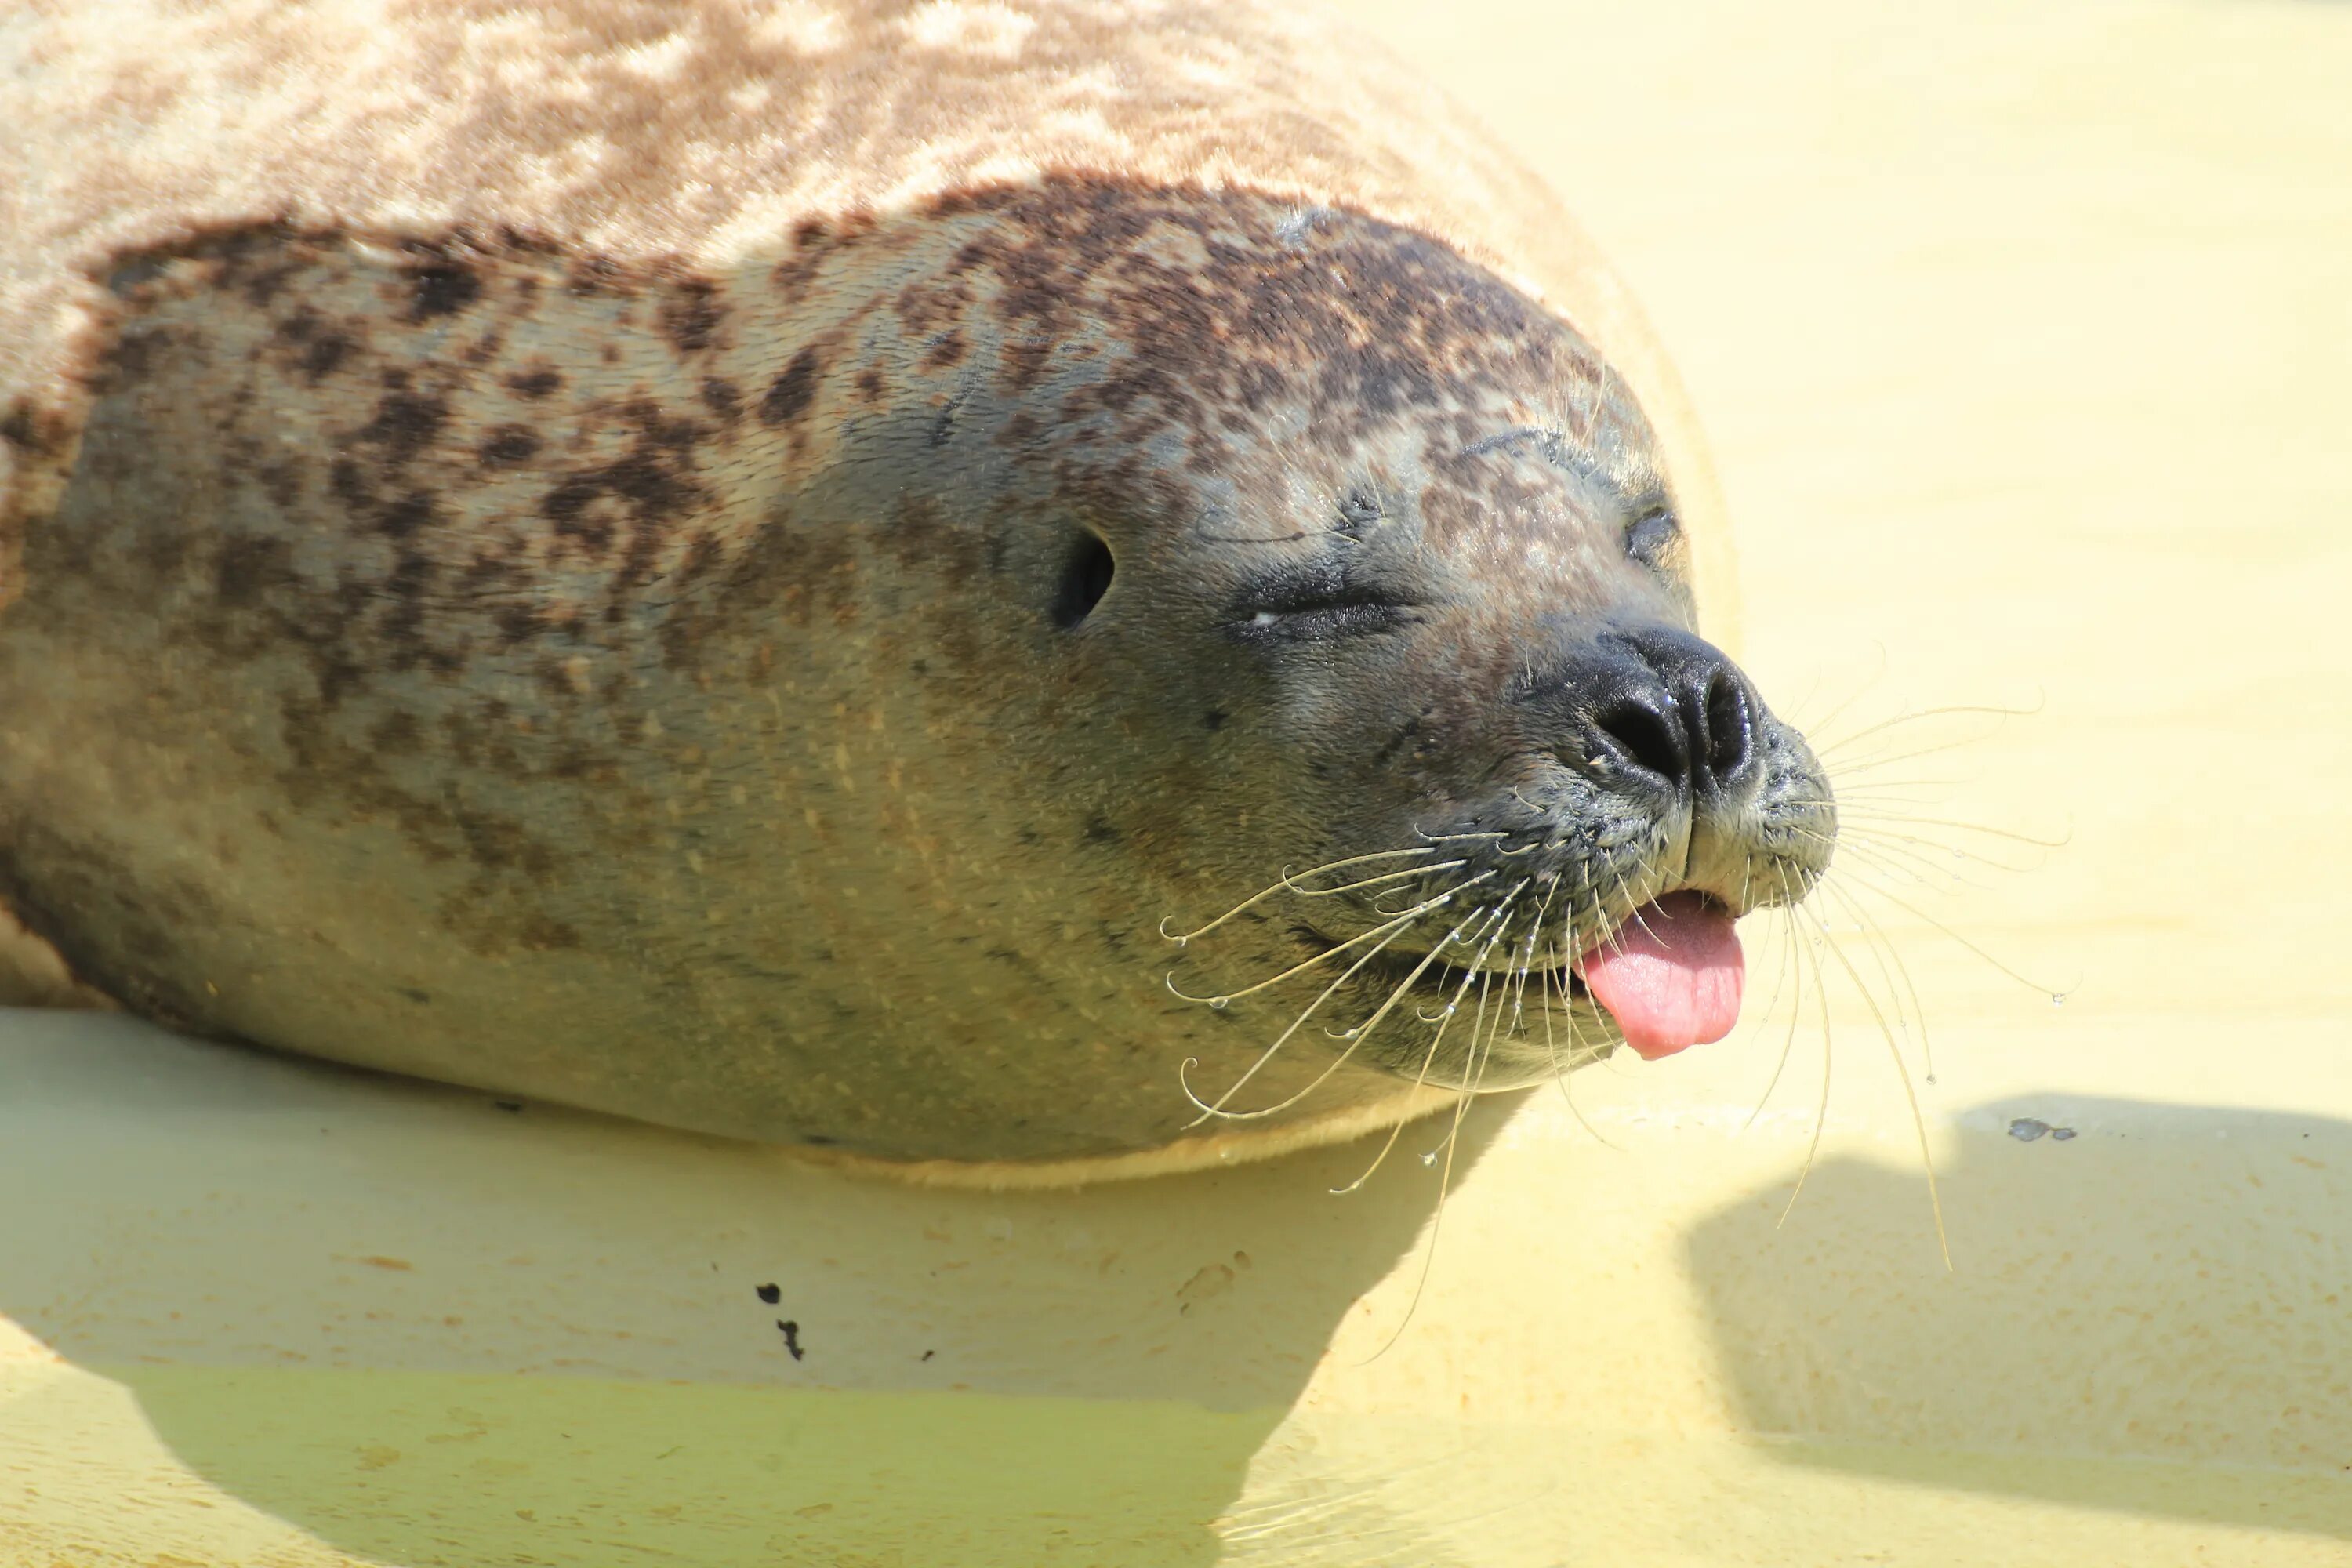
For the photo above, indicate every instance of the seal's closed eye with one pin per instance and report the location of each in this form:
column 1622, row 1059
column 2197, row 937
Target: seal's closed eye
column 1652, row 538
column 1316, row 600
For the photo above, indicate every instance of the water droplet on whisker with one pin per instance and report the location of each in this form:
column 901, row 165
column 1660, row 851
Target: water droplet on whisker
column 1217, row 1004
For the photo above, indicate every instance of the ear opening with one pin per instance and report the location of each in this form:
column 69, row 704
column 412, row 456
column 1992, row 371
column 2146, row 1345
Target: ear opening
column 1086, row 578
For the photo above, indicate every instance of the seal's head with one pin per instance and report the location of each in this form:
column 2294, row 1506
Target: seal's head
column 1361, row 582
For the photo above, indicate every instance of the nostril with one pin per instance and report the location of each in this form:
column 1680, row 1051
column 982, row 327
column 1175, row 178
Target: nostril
column 1646, row 737
column 1730, row 725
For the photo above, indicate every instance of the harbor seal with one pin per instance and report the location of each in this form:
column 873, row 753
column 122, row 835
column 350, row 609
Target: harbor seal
column 1049, row 587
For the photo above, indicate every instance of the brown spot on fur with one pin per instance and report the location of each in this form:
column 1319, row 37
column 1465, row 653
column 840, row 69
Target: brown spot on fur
column 323, row 354
column 653, row 484
column 691, row 316
column 443, row 289
column 508, row 446
column 542, row 934
column 790, row 395
column 261, row 285
column 403, row 518
column 282, row 482
column 404, row 424
column 249, row 569
column 590, row 276
column 131, row 358
column 947, row 350
column 347, row 485
column 37, row 435
column 535, row 384
column 396, row 732
column 721, row 397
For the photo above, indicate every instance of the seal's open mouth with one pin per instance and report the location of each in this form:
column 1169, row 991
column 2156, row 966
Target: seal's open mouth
column 1671, row 976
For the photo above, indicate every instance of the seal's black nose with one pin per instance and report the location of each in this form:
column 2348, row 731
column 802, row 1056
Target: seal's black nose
column 1671, row 710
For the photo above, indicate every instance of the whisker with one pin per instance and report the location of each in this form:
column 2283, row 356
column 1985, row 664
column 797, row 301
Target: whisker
column 1408, row 871
column 1794, row 968
column 1914, row 863
column 1894, row 972
column 1362, row 1032
column 1183, row 1072
column 1428, row 1060
column 1560, row 1070
column 1910, row 1093
column 1956, row 710
column 1286, row 882
column 1872, row 924
column 1444, row 1186
column 1850, row 786
column 1811, row 951
column 1915, row 914
column 1957, row 826
column 1831, row 717
column 1847, row 767
column 1462, row 837
column 1219, row 998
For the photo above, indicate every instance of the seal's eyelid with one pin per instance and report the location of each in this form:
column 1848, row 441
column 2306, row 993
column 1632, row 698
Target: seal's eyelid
column 1354, row 617
column 1652, row 534
column 1317, row 600
column 1305, row 590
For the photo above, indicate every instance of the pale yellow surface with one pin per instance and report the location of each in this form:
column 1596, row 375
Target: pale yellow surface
column 2024, row 333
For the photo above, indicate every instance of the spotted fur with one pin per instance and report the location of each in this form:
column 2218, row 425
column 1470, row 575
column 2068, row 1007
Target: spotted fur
column 563, row 601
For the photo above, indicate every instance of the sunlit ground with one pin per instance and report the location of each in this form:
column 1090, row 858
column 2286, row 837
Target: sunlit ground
column 2023, row 333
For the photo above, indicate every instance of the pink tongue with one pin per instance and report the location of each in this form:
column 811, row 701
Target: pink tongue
column 1670, row 976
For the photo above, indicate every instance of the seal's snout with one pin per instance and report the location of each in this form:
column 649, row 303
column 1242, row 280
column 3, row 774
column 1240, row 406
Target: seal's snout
column 1666, row 713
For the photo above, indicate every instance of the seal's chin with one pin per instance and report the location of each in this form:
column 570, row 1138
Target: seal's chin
column 1669, row 976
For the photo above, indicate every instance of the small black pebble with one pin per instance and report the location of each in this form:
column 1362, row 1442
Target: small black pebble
column 771, row 1294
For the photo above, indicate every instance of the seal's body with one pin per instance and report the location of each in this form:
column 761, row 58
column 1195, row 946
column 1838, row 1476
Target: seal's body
column 740, row 564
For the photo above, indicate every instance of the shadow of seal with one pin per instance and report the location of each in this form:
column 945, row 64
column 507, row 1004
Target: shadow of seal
column 752, row 566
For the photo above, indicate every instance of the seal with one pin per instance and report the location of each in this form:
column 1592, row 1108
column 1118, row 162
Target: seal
column 1027, row 587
